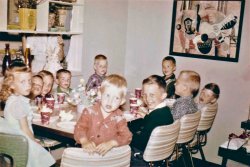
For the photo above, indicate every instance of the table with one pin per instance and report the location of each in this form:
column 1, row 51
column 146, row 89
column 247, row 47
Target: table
column 52, row 131
column 239, row 155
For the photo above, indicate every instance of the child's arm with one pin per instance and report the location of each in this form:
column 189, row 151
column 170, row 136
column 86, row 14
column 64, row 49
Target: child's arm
column 25, row 128
column 89, row 146
column 103, row 148
column 122, row 137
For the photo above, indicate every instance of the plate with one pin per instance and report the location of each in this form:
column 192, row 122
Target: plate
column 67, row 125
column 51, row 120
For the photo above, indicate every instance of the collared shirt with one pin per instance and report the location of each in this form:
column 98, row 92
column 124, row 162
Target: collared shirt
column 183, row 106
column 93, row 126
column 59, row 90
column 94, row 81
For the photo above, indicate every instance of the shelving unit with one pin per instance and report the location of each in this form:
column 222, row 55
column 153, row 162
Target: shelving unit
column 75, row 51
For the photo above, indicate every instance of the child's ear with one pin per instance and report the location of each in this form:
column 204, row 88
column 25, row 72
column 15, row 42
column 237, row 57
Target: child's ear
column 57, row 81
column 164, row 95
column 214, row 100
column 123, row 101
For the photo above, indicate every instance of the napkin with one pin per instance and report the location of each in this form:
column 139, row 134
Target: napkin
column 234, row 144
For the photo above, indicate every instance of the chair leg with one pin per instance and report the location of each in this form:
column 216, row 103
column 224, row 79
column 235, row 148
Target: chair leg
column 202, row 154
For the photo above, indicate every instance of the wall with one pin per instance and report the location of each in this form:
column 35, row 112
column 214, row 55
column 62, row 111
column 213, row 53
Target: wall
column 135, row 35
column 148, row 36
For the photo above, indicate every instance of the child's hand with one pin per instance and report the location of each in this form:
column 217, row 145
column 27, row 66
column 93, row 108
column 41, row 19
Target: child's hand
column 89, row 146
column 103, row 148
column 141, row 112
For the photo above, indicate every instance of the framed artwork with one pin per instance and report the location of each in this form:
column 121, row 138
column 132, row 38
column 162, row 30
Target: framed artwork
column 207, row 29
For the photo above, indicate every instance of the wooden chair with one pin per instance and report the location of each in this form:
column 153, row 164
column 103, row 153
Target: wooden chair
column 161, row 143
column 205, row 124
column 188, row 128
column 15, row 148
column 77, row 157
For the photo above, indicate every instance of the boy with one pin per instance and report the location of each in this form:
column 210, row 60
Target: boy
column 63, row 80
column 187, row 86
column 100, row 67
column 102, row 126
column 168, row 69
column 208, row 97
column 154, row 94
column 37, row 86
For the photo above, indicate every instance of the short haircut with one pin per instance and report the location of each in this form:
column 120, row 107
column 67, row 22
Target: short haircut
column 192, row 80
column 214, row 88
column 45, row 73
column 169, row 58
column 62, row 71
column 100, row 57
column 155, row 79
column 37, row 76
column 117, row 81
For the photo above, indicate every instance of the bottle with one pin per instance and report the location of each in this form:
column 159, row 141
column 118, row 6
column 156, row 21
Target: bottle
column 6, row 59
column 27, row 57
column 18, row 62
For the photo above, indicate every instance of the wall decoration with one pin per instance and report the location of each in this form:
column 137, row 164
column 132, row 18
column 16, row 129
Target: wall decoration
column 207, row 29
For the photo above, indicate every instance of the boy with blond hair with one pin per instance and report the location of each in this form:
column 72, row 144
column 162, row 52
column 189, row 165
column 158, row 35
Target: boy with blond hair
column 187, row 86
column 100, row 67
column 102, row 126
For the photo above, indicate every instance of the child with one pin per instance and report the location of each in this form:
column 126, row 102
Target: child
column 154, row 94
column 102, row 126
column 18, row 114
column 100, row 67
column 37, row 86
column 48, row 81
column 63, row 80
column 168, row 69
column 187, row 86
column 208, row 96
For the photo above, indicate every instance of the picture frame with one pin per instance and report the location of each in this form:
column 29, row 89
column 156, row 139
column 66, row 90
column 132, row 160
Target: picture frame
column 207, row 29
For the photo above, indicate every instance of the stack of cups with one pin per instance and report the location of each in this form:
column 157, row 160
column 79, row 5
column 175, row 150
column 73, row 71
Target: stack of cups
column 133, row 105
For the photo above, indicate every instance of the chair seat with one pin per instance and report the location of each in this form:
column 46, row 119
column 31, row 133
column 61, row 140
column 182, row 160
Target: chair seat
column 78, row 157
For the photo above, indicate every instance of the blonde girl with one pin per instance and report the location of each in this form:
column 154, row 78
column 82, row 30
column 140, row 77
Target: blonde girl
column 18, row 114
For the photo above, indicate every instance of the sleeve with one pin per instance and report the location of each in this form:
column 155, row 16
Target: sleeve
column 91, row 83
column 82, row 126
column 171, row 89
column 17, row 110
column 124, row 136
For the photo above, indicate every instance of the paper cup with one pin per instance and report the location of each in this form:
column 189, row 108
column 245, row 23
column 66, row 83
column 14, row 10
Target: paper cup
column 50, row 102
column 134, row 108
column 133, row 100
column 60, row 98
column 45, row 117
column 138, row 92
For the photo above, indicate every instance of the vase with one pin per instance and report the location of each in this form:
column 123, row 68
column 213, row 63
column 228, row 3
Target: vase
column 27, row 19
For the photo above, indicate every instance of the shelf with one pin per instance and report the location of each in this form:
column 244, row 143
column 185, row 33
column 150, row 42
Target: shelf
column 66, row 3
column 40, row 32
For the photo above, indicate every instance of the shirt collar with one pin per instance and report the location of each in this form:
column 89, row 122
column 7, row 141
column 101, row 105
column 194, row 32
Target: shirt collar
column 162, row 104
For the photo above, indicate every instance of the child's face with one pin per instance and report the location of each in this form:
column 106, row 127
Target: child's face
column 180, row 86
column 153, row 95
column 168, row 68
column 47, row 85
column 206, row 96
column 22, row 83
column 101, row 67
column 111, row 98
column 64, row 80
column 37, row 86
